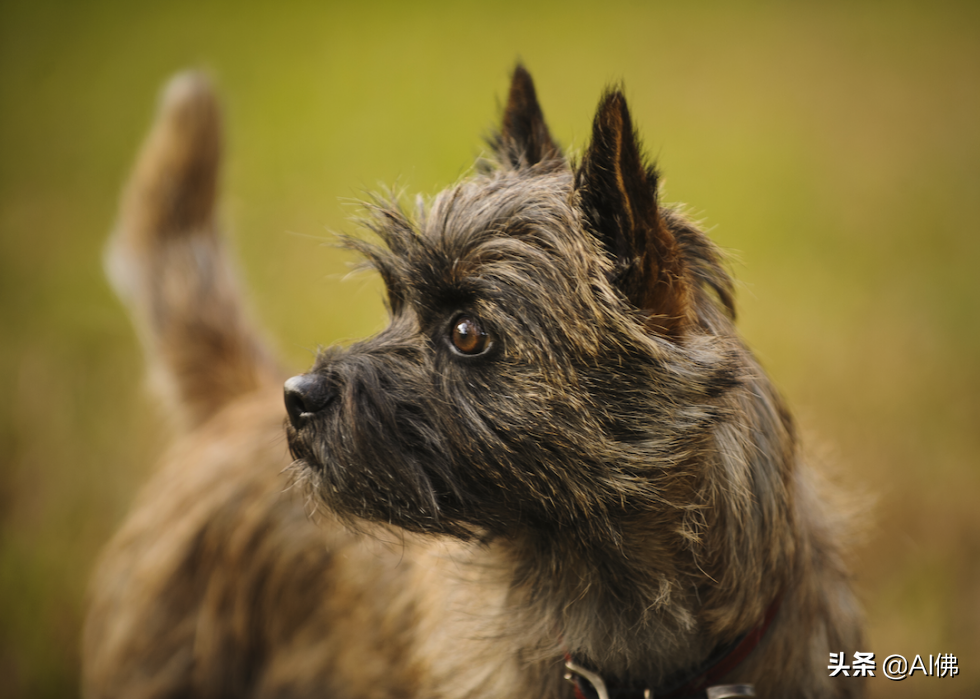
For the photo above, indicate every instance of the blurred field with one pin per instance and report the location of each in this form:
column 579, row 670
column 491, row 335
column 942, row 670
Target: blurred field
column 835, row 151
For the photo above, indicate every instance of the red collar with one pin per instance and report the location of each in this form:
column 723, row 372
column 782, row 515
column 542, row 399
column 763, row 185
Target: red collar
column 688, row 686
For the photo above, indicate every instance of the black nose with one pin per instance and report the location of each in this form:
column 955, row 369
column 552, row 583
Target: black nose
column 305, row 395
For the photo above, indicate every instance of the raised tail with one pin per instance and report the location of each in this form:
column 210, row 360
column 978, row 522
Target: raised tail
column 167, row 261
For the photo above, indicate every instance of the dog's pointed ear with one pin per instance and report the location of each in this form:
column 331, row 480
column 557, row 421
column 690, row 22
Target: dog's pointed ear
column 618, row 196
column 524, row 139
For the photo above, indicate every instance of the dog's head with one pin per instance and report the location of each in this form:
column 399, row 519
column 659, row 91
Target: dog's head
column 557, row 348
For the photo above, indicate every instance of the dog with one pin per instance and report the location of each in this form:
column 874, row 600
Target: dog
column 558, row 462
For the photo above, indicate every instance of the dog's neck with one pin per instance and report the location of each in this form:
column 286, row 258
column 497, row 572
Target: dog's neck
column 660, row 602
column 611, row 608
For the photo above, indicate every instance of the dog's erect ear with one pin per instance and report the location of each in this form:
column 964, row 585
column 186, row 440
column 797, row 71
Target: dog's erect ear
column 618, row 196
column 524, row 139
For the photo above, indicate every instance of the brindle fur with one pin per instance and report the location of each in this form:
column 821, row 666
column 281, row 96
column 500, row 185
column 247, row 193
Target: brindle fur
column 616, row 477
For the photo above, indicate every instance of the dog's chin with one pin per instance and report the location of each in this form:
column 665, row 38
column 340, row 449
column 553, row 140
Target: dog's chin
column 383, row 495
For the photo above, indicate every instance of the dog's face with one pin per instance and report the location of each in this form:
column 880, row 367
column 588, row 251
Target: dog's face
column 550, row 360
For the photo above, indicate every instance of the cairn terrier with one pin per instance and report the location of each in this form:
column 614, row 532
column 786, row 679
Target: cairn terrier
column 559, row 461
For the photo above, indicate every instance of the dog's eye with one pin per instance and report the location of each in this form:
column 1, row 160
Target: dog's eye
column 469, row 337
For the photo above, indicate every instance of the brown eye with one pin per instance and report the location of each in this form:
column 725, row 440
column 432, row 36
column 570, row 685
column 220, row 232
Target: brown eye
column 469, row 337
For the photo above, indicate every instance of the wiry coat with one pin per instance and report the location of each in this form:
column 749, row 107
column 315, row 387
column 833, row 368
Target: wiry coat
column 611, row 476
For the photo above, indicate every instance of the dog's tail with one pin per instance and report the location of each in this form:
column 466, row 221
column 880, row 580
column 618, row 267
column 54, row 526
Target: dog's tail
column 167, row 262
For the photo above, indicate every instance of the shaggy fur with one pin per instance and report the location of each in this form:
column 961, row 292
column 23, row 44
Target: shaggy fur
column 558, row 445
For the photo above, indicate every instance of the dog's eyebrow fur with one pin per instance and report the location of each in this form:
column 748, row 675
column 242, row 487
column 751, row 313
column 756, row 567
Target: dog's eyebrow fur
column 470, row 224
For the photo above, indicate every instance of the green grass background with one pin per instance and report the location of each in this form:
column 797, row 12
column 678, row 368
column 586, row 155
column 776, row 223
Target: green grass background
column 833, row 147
